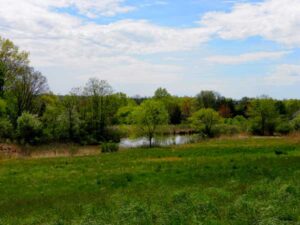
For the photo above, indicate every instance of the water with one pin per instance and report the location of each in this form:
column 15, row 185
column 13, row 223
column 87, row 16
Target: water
column 162, row 141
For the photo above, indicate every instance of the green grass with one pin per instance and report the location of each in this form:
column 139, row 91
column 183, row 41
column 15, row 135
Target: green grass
column 214, row 182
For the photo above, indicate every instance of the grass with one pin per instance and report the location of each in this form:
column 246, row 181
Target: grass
column 230, row 181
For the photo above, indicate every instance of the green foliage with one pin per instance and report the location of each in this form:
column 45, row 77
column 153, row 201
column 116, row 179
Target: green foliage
column 124, row 115
column 284, row 127
column 3, row 107
column 108, row 147
column 207, row 99
column 205, row 121
column 161, row 93
column 29, row 128
column 296, row 123
column 6, row 129
column 263, row 116
column 149, row 115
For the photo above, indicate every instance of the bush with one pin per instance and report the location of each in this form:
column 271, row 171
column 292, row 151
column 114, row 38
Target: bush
column 284, row 128
column 227, row 129
column 108, row 147
column 296, row 123
column 6, row 129
column 29, row 128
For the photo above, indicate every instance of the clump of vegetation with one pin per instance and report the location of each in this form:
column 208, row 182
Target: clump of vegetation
column 29, row 128
column 109, row 147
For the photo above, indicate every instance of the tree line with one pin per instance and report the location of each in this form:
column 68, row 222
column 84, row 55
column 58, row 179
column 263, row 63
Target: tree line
column 31, row 113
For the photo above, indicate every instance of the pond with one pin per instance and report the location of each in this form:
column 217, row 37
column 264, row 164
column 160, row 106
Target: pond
column 161, row 141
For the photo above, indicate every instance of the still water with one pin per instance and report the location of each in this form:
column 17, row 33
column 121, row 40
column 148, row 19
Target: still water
column 161, row 141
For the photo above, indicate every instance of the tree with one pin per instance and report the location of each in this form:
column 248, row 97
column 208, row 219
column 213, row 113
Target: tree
column 161, row 93
column 6, row 129
column 29, row 128
column 205, row 121
column 13, row 62
column 97, row 91
column 149, row 116
column 263, row 116
column 25, row 90
column 207, row 99
column 70, row 104
column 2, row 77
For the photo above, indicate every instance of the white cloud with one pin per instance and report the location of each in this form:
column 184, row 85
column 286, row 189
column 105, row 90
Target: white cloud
column 275, row 20
column 245, row 58
column 285, row 74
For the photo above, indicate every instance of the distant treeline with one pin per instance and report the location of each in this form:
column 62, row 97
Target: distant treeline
column 30, row 113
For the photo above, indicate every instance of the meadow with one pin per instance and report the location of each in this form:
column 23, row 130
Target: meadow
column 220, row 181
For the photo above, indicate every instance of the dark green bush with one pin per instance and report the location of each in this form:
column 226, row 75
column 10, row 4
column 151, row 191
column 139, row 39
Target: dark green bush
column 6, row 129
column 108, row 147
column 284, row 128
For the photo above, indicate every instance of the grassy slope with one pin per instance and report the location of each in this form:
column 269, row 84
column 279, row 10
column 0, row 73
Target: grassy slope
column 215, row 182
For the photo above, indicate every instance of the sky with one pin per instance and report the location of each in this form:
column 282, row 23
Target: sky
column 235, row 47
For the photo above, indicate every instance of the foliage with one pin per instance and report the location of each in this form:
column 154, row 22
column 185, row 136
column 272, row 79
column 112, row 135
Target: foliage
column 29, row 128
column 149, row 116
column 108, row 147
column 205, row 120
column 207, row 99
column 263, row 116
column 6, row 129
column 296, row 123
column 89, row 114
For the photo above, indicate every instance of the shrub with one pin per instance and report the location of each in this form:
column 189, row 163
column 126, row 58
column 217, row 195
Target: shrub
column 29, row 128
column 6, row 129
column 227, row 129
column 108, row 147
column 284, row 128
column 296, row 123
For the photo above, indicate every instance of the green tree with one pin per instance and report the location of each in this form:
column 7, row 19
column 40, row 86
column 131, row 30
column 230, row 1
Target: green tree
column 263, row 116
column 148, row 116
column 161, row 93
column 71, row 116
column 98, row 92
column 13, row 62
column 26, row 89
column 207, row 99
column 205, row 120
column 6, row 129
column 29, row 128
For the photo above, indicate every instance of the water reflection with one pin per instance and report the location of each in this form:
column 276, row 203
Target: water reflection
column 161, row 141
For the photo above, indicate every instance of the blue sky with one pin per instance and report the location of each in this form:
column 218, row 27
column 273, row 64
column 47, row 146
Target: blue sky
column 236, row 47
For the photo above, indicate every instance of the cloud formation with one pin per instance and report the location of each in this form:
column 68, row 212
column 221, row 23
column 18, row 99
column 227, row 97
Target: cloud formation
column 74, row 43
column 275, row 20
column 246, row 58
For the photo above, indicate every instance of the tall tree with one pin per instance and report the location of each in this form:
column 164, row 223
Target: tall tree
column 263, row 115
column 148, row 116
column 97, row 91
column 26, row 88
column 207, row 99
column 205, row 121
column 13, row 62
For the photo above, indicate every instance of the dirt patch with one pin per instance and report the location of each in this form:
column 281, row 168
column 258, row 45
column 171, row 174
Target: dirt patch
column 9, row 150
column 67, row 152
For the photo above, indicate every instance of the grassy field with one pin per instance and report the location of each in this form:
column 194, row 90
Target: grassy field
column 230, row 181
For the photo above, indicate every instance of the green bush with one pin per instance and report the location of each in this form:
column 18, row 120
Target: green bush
column 6, row 129
column 108, row 147
column 29, row 128
column 284, row 128
column 227, row 129
column 296, row 123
